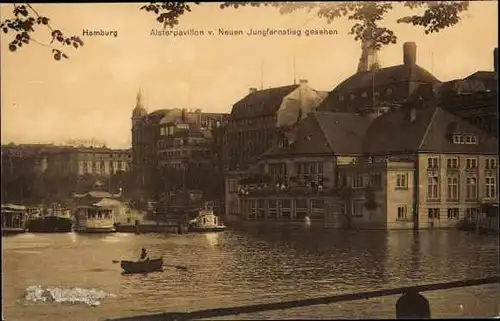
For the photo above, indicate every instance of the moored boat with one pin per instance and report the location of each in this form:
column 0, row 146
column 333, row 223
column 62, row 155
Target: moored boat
column 50, row 224
column 94, row 219
column 13, row 219
column 147, row 266
column 206, row 221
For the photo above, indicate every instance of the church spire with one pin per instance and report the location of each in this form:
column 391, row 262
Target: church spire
column 138, row 102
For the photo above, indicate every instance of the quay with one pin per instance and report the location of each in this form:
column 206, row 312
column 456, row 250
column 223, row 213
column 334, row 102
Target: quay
column 410, row 305
column 151, row 227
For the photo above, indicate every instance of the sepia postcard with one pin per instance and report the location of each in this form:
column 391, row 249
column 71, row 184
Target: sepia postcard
column 249, row 160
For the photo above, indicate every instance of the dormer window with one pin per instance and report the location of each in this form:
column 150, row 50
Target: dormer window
column 458, row 139
column 464, row 139
column 470, row 139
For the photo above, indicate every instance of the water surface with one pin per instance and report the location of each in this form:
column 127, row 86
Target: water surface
column 249, row 267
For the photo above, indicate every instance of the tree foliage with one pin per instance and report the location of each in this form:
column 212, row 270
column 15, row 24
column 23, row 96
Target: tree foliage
column 168, row 13
column 366, row 17
column 25, row 21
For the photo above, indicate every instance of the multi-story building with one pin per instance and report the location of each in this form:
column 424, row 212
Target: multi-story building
column 408, row 168
column 257, row 119
column 379, row 88
column 473, row 98
column 170, row 137
column 296, row 177
column 371, row 89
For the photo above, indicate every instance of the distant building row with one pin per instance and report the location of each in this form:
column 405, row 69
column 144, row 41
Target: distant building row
column 64, row 160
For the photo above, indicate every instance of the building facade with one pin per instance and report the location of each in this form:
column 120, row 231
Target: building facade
column 257, row 119
column 67, row 160
column 170, row 138
column 411, row 168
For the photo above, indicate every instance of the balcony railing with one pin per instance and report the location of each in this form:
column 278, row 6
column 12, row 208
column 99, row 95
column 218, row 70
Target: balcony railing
column 288, row 190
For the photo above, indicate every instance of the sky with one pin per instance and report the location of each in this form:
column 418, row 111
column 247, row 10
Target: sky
column 92, row 94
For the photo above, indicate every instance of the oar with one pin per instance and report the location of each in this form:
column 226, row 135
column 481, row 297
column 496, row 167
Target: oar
column 180, row 267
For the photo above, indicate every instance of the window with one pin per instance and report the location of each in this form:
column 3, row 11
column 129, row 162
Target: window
column 286, row 208
column 277, row 171
column 470, row 139
column 471, row 163
column 490, row 187
column 162, row 131
column 433, row 213
column 364, row 94
column 341, row 97
column 272, row 206
column 432, row 187
column 353, row 96
column 402, row 213
column 357, row 181
column 471, row 188
column 453, row 213
column 432, row 162
column 232, row 186
column 312, row 171
column 402, row 180
column 389, row 91
column 376, row 180
column 452, row 162
column 357, row 209
column 491, row 163
column 452, row 188
column 458, row 139
column 471, row 213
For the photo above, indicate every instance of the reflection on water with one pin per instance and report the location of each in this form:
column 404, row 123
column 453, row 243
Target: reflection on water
column 248, row 267
column 212, row 238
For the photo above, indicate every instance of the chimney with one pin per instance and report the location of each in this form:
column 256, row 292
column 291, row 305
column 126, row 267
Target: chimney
column 303, row 81
column 495, row 59
column 252, row 90
column 409, row 53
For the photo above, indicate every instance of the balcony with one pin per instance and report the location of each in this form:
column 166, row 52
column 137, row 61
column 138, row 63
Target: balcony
column 263, row 185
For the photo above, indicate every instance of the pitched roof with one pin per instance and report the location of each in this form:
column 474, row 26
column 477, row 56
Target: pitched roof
column 326, row 133
column 430, row 132
column 387, row 76
column 380, row 78
column 261, row 102
column 484, row 75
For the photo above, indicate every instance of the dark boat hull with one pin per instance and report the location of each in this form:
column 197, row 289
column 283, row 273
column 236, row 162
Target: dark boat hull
column 206, row 229
column 12, row 231
column 149, row 266
column 50, row 225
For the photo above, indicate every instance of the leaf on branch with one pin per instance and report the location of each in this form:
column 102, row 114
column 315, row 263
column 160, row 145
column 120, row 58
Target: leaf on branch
column 12, row 47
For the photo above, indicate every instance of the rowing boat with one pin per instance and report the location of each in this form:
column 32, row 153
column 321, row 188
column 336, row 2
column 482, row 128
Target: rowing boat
column 147, row 266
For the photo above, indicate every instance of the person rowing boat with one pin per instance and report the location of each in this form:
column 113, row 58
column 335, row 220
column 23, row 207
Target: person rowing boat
column 144, row 255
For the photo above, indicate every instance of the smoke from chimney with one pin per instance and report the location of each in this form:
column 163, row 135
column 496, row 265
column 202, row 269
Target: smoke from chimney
column 409, row 53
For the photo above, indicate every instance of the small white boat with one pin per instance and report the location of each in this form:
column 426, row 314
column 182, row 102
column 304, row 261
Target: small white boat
column 206, row 221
